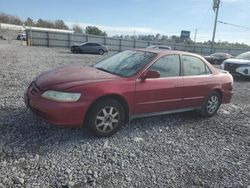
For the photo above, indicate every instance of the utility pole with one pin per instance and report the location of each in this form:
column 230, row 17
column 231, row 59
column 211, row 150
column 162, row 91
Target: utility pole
column 195, row 34
column 216, row 7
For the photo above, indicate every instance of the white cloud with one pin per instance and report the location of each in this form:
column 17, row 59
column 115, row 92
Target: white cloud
column 113, row 30
column 231, row 0
column 230, row 35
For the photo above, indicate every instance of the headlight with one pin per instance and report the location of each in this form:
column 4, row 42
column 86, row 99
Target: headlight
column 222, row 66
column 61, row 96
column 246, row 65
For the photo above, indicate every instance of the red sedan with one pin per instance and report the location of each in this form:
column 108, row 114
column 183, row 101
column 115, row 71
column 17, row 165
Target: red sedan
column 128, row 85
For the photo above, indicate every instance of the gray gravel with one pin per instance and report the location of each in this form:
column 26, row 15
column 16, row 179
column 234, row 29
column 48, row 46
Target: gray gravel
column 179, row 150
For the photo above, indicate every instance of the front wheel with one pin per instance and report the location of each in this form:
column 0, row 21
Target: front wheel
column 211, row 104
column 101, row 52
column 106, row 117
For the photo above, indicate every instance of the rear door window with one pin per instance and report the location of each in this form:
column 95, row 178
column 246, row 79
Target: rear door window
column 194, row 66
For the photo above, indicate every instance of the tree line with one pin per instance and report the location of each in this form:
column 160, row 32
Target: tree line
column 93, row 30
column 176, row 39
column 57, row 24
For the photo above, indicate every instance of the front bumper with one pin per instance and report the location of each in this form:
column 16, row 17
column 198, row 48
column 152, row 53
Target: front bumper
column 237, row 69
column 56, row 113
column 227, row 96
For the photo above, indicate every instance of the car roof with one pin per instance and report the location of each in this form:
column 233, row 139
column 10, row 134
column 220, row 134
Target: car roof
column 166, row 52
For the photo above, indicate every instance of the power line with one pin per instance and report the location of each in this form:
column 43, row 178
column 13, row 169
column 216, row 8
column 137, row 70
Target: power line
column 235, row 25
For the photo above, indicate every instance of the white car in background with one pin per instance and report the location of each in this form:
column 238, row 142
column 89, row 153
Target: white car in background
column 240, row 65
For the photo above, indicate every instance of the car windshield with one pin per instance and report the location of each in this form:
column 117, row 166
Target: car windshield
column 245, row 56
column 81, row 44
column 126, row 63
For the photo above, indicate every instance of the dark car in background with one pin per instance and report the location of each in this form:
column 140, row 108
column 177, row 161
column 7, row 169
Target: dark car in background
column 89, row 47
column 217, row 58
column 240, row 65
column 21, row 36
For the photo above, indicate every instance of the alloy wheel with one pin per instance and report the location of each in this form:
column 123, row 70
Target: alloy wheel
column 212, row 104
column 107, row 119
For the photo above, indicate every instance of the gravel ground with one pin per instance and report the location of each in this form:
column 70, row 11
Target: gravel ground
column 180, row 150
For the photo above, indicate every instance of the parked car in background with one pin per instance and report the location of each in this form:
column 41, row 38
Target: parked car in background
column 131, row 84
column 89, row 47
column 159, row 47
column 240, row 65
column 21, row 36
column 217, row 58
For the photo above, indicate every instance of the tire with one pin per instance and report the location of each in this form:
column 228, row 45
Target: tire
column 211, row 104
column 78, row 51
column 100, row 52
column 73, row 50
column 106, row 117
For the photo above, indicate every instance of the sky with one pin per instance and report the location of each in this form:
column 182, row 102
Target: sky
column 167, row 17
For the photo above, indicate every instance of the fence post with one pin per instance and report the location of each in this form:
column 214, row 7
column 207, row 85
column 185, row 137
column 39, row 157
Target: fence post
column 194, row 48
column 120, row 45
column 134, row 43
column 104, row 40
column 68, row 39
column 87, row 38
column 47, row 38
column 27, row 37
column 31, row 37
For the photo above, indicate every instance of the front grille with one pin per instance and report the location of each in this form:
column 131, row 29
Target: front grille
column 231, row 67
column 34, row 89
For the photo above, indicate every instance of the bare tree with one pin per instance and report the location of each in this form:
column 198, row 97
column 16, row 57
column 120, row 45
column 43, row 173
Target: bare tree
column 77, row 28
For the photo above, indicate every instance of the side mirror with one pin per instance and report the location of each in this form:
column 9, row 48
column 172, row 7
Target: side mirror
column 150, row 74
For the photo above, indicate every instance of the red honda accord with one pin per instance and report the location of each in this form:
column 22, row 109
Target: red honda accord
column 128, row 85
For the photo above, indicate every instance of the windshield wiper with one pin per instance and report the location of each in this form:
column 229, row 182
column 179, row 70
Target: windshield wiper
column 105, row 70
column 102, row 69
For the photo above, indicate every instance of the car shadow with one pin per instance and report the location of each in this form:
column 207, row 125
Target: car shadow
column 64, row 52
column 176, row 121
column 241, row 79
column 23, row 132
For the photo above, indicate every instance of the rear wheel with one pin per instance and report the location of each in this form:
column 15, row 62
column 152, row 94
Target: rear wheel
column 211, row 104
column 106, row 117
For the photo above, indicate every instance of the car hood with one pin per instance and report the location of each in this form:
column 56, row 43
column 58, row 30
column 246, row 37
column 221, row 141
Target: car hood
column 207, row 56
column 76, row 44
column 71, row 76
column 237, row 61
